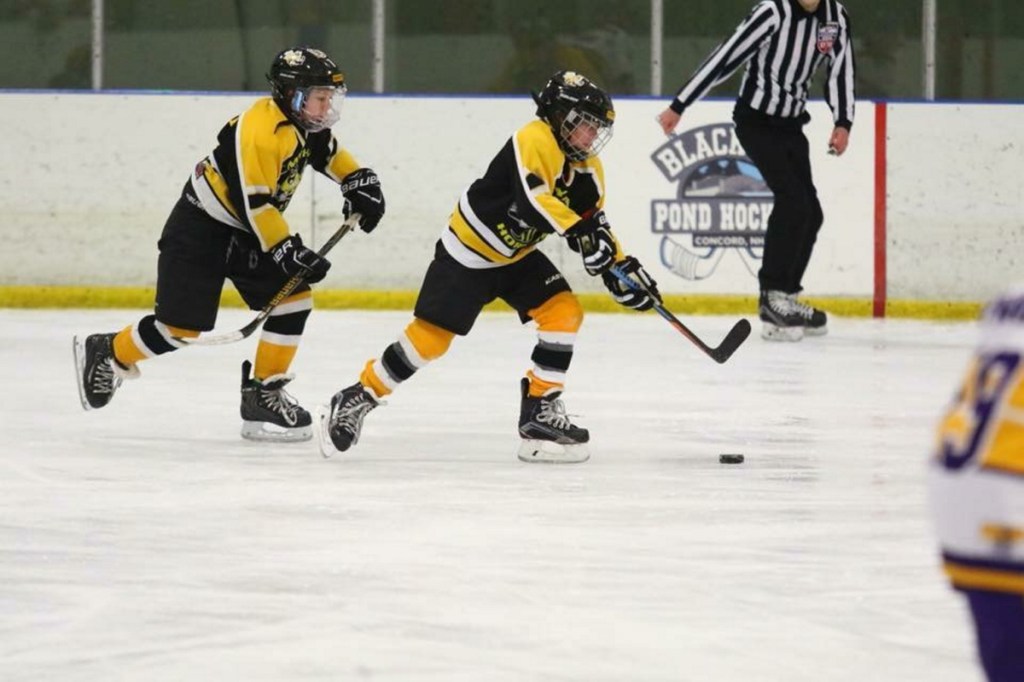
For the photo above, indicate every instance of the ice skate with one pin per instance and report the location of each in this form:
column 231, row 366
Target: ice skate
column 269, row 413
column 780, row 317
column 815, row 319
column 548, row 434
column 98, row 374
column 340, row 423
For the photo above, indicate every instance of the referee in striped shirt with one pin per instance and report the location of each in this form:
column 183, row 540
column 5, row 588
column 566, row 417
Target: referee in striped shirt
column 783, row 42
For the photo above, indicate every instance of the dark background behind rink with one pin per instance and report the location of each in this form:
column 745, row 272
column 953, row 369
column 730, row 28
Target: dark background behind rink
column 482, row 46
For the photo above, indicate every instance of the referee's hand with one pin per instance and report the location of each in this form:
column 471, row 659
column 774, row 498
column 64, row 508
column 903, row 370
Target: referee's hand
column 838, row 142
column 668, row 120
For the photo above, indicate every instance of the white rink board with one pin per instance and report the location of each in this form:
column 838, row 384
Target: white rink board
column 956, row 200
column 105, row 185
column 90, row 178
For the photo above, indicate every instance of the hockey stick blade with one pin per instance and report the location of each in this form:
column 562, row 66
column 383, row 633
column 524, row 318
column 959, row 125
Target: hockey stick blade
column 733, row 340
column 231, row 337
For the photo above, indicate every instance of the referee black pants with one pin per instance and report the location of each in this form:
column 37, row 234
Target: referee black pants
column 778, row 147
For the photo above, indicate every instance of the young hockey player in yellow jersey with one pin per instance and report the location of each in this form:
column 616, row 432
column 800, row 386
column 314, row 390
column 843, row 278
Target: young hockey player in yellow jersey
column 229, row 224
column 547, row 179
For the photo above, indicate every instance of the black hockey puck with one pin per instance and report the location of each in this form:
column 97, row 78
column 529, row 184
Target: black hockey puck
column 730, row 459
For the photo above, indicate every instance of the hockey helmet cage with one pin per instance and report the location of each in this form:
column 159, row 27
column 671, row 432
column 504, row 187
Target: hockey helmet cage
column 570, row 102
column 294, row 73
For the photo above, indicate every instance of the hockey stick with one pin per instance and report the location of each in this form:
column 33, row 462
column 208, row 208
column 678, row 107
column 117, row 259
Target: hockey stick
column 230, row 337
column 733, row 340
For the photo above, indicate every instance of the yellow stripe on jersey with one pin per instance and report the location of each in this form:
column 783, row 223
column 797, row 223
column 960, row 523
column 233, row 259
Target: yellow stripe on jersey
column 341, row 164
column 468, row 236
column 269, row 225
column 1004, row 450
column 1002, row 535
column 538, row 154
column 1005, row 443
column 269, row 167
column 219, row 188
column 974, row 578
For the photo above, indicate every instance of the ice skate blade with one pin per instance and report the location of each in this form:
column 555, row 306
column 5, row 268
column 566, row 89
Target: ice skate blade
column 78, row 347
column 771, row 332
column 321, row 422
column 549, row 452
column 815, row 331
column 263, row 431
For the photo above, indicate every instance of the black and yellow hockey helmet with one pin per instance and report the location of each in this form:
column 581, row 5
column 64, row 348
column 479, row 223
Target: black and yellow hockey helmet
column 569, row 99
column 297, row 70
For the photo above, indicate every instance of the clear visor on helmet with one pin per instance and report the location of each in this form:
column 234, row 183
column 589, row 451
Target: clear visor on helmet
column 318, row 107
column 584, row 134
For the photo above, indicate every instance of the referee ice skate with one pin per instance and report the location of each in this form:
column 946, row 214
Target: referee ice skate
column 783, row 42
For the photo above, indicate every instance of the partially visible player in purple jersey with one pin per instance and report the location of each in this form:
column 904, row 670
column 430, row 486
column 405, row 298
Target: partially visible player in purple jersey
column 976, row 486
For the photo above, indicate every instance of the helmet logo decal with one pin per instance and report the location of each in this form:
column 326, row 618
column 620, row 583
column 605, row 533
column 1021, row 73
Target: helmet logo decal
column 579, row 113
column 574, row 79
column 293, row 57
column 301, row 80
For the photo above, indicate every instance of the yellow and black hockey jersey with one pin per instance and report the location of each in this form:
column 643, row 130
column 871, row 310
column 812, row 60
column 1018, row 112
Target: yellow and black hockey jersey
column 530, row 190
column 249, row 179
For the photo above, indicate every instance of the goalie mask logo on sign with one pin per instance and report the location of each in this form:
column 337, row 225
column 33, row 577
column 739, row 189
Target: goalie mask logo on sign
column 722, row 202
column 827, row 34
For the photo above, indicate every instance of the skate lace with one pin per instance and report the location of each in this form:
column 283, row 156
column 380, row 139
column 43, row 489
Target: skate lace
column 553, row 412
column 281, row 402
column 349, row 416
column 104, row 380
column 799, row 307
column 783, row 304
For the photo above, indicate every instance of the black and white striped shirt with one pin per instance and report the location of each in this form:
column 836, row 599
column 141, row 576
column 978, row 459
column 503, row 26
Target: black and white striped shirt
column 783, row 45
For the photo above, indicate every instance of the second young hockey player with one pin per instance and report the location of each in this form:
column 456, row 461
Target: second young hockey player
column 547, row 179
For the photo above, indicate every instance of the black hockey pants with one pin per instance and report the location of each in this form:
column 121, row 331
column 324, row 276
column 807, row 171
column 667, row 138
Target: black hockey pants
column 778, row 147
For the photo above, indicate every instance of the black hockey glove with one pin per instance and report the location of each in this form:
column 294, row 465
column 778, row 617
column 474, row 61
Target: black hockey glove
column 293, row 258
column 362, row 189
column 636, row 297
column 592, row 238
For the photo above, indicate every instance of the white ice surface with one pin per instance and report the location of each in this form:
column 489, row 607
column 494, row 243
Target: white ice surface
column 147, row 541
